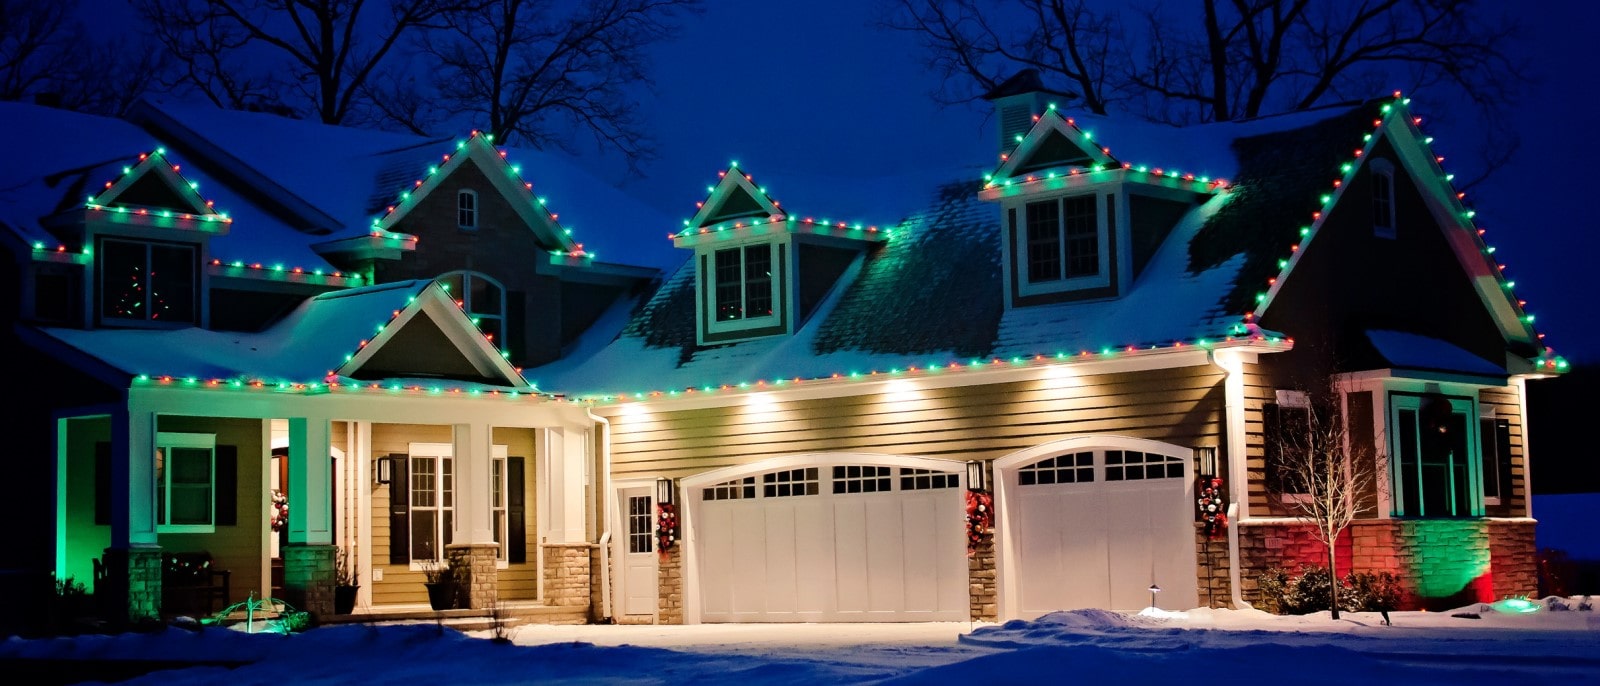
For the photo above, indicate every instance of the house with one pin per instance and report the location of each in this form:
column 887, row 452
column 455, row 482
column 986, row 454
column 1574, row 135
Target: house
column 994, row 401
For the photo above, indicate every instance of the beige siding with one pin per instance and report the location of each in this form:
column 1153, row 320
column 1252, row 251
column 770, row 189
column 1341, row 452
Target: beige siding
column 1180, row 406
column 238, row 549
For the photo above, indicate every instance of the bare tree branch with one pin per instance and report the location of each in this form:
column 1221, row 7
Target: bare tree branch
column 36, row 40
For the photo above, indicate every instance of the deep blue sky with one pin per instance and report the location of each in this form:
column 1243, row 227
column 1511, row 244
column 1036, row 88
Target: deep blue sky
column 809, row 89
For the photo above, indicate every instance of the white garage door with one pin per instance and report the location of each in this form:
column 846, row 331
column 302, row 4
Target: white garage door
column 832, row 543
column 1094, row 528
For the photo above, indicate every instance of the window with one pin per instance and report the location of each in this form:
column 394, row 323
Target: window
column 147, row 282
column 789, row 482
column 185, row 483
column 467, row 209
column 484, row 301
column 738, row 489
column 1495, row 434
column 1434, row 461
column 1072, row 468
column 1132, row 465
column 497, row 505
column 1383, row 223
column 861, row 479
column 641, row 533
column 433, row 505
column 926, row 479
column 1286, row 427
column 743, row 282
column 1063, row 245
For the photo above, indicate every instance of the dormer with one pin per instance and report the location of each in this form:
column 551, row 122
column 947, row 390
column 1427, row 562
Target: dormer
column 1076, row 222
column 760, row 271
column 142, row 239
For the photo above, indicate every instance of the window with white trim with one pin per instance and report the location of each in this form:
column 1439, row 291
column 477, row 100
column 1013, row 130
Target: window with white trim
column 861, row 479
column 1071, row 468
column 497, row 506
column 737, row 489
column 742, row 282
column 1383, row 210
column 467, row 209
column 1133, row 465
column 641, row 528
column 483, row 299
column 1061, row 244
column 1286, row 429
column 147, row 282
column 1434, row 461
column 185, row 483
column 927, row 479
column 433, row 505
column 789, row 482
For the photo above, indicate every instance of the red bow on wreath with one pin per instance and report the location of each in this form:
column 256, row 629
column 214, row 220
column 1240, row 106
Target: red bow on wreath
column 1212, row 510
column 666, row 529
column 980, row 517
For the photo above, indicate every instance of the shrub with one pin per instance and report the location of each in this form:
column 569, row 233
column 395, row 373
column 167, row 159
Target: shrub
column 1308, row 592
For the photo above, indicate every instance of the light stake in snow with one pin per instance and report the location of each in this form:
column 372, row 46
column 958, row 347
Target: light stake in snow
column 1154, row 589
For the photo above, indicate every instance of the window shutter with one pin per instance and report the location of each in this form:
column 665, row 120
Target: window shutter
column 226, row 496
column 1271, row 434
column 400, row 509
column 516, row 510
column 102, row 483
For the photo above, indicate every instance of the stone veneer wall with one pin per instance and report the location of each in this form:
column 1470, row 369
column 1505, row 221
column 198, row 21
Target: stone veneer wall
column 671, row 591
column 567, row 575
column 1211, row 568
column 132, row 589
column 308, row 577
column 476, row 571
column 1441, row 563
column 980, row 580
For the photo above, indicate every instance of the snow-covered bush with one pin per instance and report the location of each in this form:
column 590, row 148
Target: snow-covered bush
column 1298, row 595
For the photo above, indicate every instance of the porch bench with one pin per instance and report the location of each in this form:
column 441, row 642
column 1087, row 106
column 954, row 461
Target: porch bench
column 190, row 582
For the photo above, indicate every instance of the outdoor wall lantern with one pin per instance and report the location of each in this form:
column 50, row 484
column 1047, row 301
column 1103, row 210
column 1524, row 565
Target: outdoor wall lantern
column 383, row 470
column 664, row 489
column 1206, row 459
column 975, row 476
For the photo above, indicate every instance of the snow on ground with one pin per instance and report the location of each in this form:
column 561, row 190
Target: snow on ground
column 1084, row 646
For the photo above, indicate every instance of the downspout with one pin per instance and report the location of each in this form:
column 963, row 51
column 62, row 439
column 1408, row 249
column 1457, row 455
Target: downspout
column 1232, row 416
column 605, row 511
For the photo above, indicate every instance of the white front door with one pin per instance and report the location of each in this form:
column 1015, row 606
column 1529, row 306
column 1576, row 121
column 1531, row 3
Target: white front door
column 638, row 552
column 826, row 542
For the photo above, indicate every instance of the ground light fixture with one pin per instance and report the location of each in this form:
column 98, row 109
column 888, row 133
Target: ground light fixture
column 1154, row 589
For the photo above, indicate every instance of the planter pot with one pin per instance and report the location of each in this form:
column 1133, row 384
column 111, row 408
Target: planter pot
column 344, row 599
column 441, row 595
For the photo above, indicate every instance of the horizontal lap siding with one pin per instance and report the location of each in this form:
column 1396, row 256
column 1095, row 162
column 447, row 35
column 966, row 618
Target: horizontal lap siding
column 1507, row 406
column 1261, row 384
column 1180, row 406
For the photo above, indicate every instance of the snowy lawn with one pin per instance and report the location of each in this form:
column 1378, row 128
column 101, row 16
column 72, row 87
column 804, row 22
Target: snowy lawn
column 1087, row 646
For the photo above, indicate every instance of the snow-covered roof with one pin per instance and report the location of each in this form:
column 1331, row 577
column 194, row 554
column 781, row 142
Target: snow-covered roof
column 1413, row 351
column 933, row 294
column 352, row 175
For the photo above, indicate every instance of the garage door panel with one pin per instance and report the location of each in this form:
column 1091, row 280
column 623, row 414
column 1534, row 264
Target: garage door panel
column 749, row 570
column 814, row 563
column 716, row 540
column 886, row 568
column 850, row 555
column 782, row 587
column 922, row 569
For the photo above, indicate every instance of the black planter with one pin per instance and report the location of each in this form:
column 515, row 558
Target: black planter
column 344, row 599
column 441, row 595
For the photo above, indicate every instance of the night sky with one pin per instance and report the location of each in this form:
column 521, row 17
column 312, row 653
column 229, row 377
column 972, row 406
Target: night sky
column 810, row 89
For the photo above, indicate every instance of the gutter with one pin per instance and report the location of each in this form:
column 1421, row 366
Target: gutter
column 605, row 511
column 1233, row 415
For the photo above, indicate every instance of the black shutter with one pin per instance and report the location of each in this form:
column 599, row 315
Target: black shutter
column 516, row 511
column 102, row 483
column 1502, row 442
column 1271, row 449
column 227, row 485
column 400, row 509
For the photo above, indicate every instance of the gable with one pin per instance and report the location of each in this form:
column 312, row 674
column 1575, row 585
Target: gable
column 734, row 197
column 1055, row 150
column 153, row 183
column 431, row 338
column 738, row 203
column 1054, row 141
column 151, row 191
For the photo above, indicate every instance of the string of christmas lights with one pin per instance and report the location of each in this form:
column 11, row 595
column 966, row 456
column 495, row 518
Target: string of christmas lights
column 997, row 180
column 733, row 228
column 148, row 160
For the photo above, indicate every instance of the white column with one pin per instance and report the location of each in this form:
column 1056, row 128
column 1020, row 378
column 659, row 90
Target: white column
column 361, row 450
column 471, row 453
column 133, row 479
column 310, row 497
column 566, row 451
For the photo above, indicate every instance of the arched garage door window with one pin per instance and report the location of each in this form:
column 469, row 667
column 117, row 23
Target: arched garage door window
column 1092, row 522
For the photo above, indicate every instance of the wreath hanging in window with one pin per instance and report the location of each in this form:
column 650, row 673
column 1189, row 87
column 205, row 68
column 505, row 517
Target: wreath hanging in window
column 980, row 518
column 1212, row 511
column 666, row 528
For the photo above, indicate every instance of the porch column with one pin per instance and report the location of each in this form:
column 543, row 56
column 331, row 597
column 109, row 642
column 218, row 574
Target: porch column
column 133, row 561
column 474, row 552
column 308, row 558
column 567, row 451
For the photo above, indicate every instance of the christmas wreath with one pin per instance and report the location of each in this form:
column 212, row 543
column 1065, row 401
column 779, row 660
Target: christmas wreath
column 280, row 510
column 666, row 528
column 1212, row 511
column 980, row 517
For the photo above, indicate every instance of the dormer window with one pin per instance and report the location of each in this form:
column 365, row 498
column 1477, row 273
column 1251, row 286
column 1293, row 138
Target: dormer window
column 744, row 283
column 467, row 209
column 1383, row 220
column 147, row 282
column 1063, row 239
